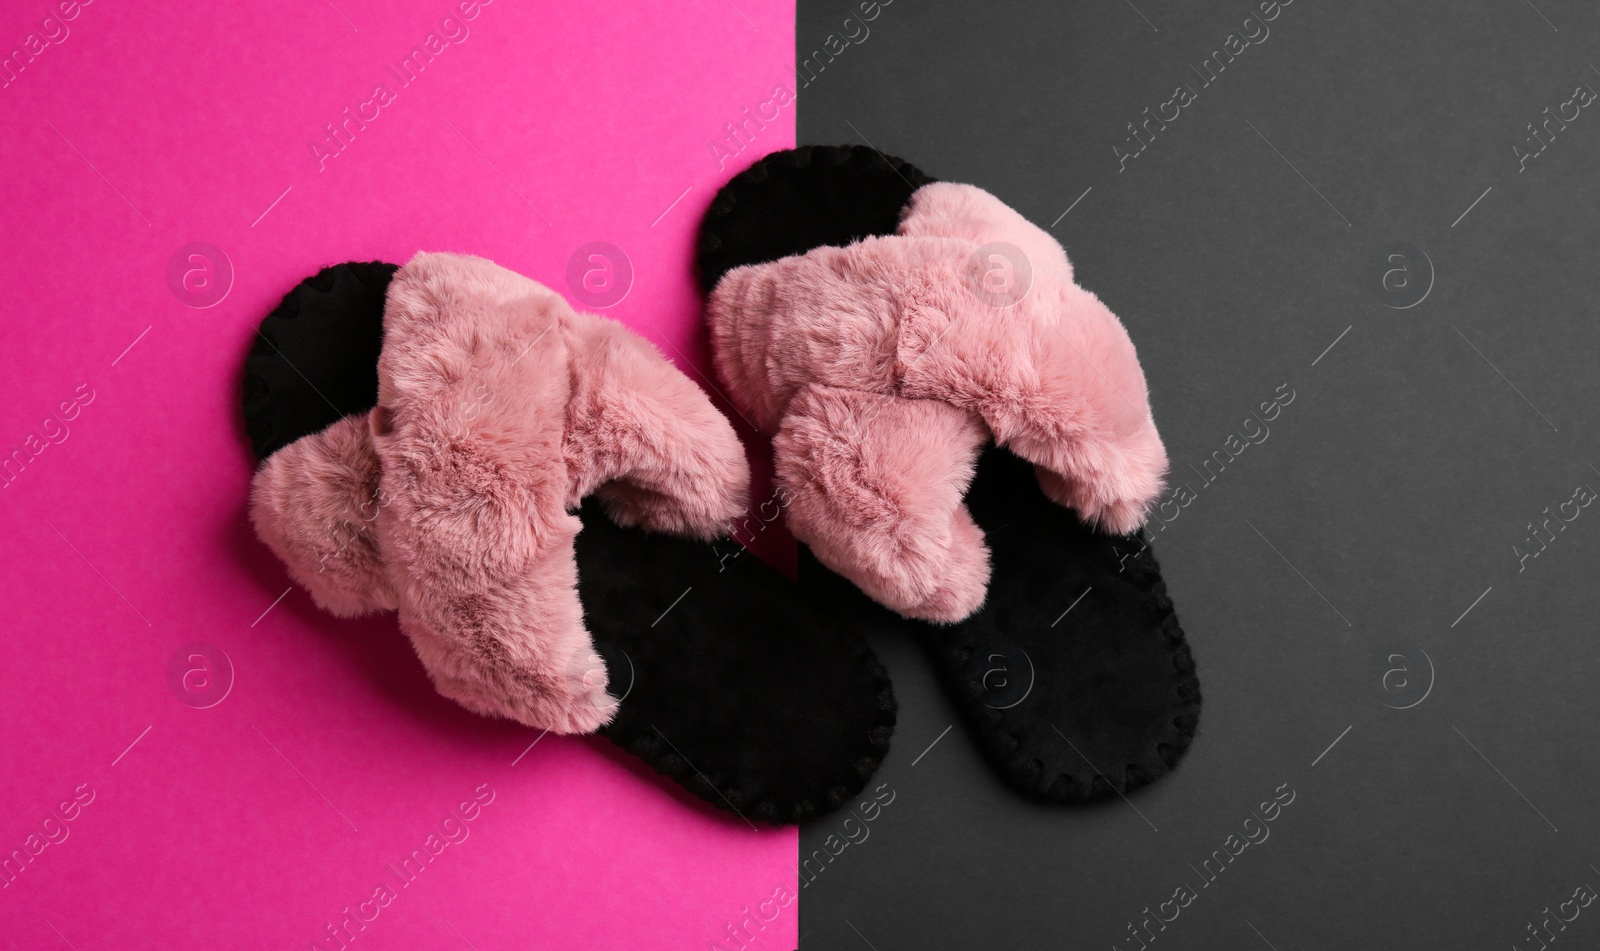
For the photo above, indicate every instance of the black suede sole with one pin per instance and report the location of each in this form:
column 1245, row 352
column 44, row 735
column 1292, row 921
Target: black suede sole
column 1071, row 699
column 734, row 685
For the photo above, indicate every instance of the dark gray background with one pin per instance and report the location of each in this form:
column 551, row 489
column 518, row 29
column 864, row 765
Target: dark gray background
column 1397, row 483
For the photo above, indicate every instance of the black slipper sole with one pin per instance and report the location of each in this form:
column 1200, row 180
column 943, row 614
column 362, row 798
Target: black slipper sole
column 744, row 691
column 1075, row 677
column 732, row 683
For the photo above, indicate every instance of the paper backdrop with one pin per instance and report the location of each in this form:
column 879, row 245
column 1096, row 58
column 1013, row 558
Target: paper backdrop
column 193, row 754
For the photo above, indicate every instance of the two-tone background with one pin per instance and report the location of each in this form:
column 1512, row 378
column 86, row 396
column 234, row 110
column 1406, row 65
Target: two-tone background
column 1384, row 210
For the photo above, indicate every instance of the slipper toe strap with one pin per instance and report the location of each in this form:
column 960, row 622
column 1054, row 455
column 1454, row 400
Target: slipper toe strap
column 315, row 503
column 499, row 409
column 646, row 439
column 874, row 485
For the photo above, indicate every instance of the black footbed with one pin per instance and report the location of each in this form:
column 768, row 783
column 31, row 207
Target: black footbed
column 734, row 685
column 793, row 201
column 332, row 323
column 1068, row 705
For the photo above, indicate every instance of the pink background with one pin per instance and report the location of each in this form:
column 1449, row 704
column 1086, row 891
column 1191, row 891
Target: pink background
column 255, row 822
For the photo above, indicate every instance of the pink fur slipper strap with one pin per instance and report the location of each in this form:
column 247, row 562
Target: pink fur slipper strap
column 499, row 409
column 884, row 366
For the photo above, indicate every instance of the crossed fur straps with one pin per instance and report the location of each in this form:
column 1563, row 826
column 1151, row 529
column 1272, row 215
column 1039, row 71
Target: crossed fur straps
column 883, row 368
column 499, row 409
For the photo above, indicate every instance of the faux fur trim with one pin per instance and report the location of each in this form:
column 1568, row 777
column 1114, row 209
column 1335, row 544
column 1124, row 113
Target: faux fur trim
column 876, row 482
column 897, row 320
column 499, row 408
column 313, row 502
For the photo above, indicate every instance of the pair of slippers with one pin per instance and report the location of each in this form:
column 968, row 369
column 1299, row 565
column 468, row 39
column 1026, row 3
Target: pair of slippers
column 542, row 497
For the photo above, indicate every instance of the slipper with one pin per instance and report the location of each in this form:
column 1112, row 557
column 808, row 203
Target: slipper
column 962, row 433
column 538, row 493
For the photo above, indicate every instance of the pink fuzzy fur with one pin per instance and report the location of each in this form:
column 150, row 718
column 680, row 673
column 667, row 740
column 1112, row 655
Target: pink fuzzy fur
column 313, row 502
column 884, row 374
column 499, row 409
